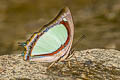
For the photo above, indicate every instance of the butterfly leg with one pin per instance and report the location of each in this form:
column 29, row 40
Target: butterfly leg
column 68, row 58
column 75, row 58
column 53, row 63
column 69, row 64
column 72, row 54
column 72, row 51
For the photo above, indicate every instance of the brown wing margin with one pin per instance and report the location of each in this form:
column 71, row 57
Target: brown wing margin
column 51, row 22
column 65, row 9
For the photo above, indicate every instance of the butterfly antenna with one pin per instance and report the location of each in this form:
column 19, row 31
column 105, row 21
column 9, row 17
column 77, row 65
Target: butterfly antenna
column 77, row 42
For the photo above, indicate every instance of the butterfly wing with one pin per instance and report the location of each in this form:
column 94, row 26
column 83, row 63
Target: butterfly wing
column 53, row 41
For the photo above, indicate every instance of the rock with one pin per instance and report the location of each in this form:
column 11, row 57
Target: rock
column 91, row 64
column 110, row 57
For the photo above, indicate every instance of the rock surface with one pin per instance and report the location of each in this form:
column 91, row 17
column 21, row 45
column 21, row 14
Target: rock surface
column 91, row 64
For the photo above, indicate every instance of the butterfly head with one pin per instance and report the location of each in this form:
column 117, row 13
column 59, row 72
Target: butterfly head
column 23, row 44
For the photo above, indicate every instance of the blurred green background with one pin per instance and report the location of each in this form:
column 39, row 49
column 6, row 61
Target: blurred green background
column 98, row 20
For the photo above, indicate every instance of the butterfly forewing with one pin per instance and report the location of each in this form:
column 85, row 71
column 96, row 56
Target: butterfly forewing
column 53, row 41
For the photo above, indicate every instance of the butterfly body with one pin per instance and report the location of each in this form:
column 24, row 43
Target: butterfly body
column 53, row 41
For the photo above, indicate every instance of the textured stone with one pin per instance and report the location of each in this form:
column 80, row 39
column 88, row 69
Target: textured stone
column 14, row 67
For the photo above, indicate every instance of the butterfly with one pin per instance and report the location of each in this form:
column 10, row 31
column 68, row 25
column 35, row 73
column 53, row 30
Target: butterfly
column 54, row 40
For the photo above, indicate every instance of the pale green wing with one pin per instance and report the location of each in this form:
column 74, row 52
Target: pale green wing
column 51, row 40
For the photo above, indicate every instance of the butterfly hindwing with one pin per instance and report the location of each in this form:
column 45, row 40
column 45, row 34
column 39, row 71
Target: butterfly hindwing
column 51, row 40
